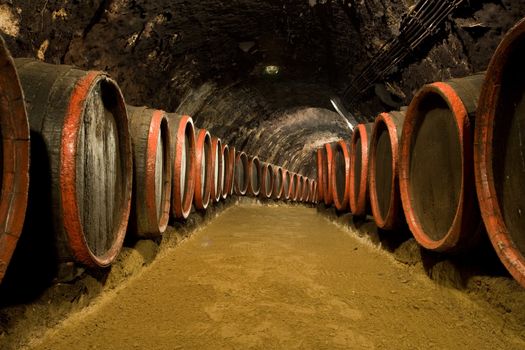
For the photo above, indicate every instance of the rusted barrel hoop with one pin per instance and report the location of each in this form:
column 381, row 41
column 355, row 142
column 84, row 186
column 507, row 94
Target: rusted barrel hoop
column 267, row 182
column 385, row 198
column 183, row 153
column 227, row 165
column 359, row 151
column 254, row 176
column 499, row 168
column 204, row 170
column 449, row 226
column 241, row 174
column 278, row 183
column 340, row 175
column 151, row 171
column 15, row 157
column 217, row 167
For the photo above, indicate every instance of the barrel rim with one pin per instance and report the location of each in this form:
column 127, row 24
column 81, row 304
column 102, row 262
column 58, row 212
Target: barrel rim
column 254, row 191
column 159, row 124
column 328, row 160
column 13, row 200
column 182, row 202
column 267, row 170
column 202, row 200
column 277, row 193
column 67, row 169
column 216, row 143
column 358, row 205
column 497, row 230
column 227, row 171
column 386, row 220
column 243, row 157
column 460, row 113
column 341, row 204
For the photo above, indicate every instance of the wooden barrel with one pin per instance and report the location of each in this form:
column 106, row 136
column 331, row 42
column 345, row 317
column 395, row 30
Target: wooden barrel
column 287, row 183
column 217, row 160
column 360, row 145
column 326, row 176
column 241, row 174
column 320, row 161
column 254, row 176
column 151, row 171
column 267, row 182
column 278, row 183
column 79, row 120
column 498, row 151
column 340, row 175
column 312, row 190
column 292, row 189
column 228, row 165
column 315, row 199
column 14, row 148
column 183, row 148
column 299, row 188
column 306, row 189
column 203, row 169
column 436, row 174
column 383, row 183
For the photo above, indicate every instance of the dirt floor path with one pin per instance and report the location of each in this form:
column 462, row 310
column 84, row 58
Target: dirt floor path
column 281, row 277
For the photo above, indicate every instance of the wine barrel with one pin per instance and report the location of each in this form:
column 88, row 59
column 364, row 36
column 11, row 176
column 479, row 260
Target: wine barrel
column 320, row 162
column 498, row 151
column 326, row 176
column 287, row 183
column 299, row 188
column 315, row 199
column 340, row 175
column 15, row 157
column 360, row 144
column 267, row 182
column 204, row 170
column 254, row 176
column 383, row 184
column 228, row 164
column 79, row 120
column 278, row 183
column 306, row 189
column 183, row 153
column 232, row 171
column 436, row 174
column 292, row 189
column 217, row 166
column 311, row 191
column 241, row 174
column 151, row 171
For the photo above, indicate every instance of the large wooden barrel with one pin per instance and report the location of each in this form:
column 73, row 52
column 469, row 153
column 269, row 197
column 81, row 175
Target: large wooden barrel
column 78, row 120
column 183, row 153
column 228, row 165
column 217, row 159
column 359, row 148
column 436, row 174
column 292, row 188
column 278, row 183
column 14, row 150
column 340, row 175
column 204, row 170
column 267, row 182
column 320, row 161
column 383, row 183
column 299, row 188
column 287, row 183
column 241, row 174
column 326, row 177
column 499, row 148
column 315, row 198
column 254, row 176
column 151, row 171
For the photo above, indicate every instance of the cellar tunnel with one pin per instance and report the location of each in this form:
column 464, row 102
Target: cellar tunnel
column 280, row 80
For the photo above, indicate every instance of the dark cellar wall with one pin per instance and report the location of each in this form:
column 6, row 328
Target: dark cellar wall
column 206, row 58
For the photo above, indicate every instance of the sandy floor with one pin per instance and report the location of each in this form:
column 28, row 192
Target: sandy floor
column 261, row 277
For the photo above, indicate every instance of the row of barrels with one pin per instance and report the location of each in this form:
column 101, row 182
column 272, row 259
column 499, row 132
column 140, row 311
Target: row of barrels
column 90, row 169
column 451, row 161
